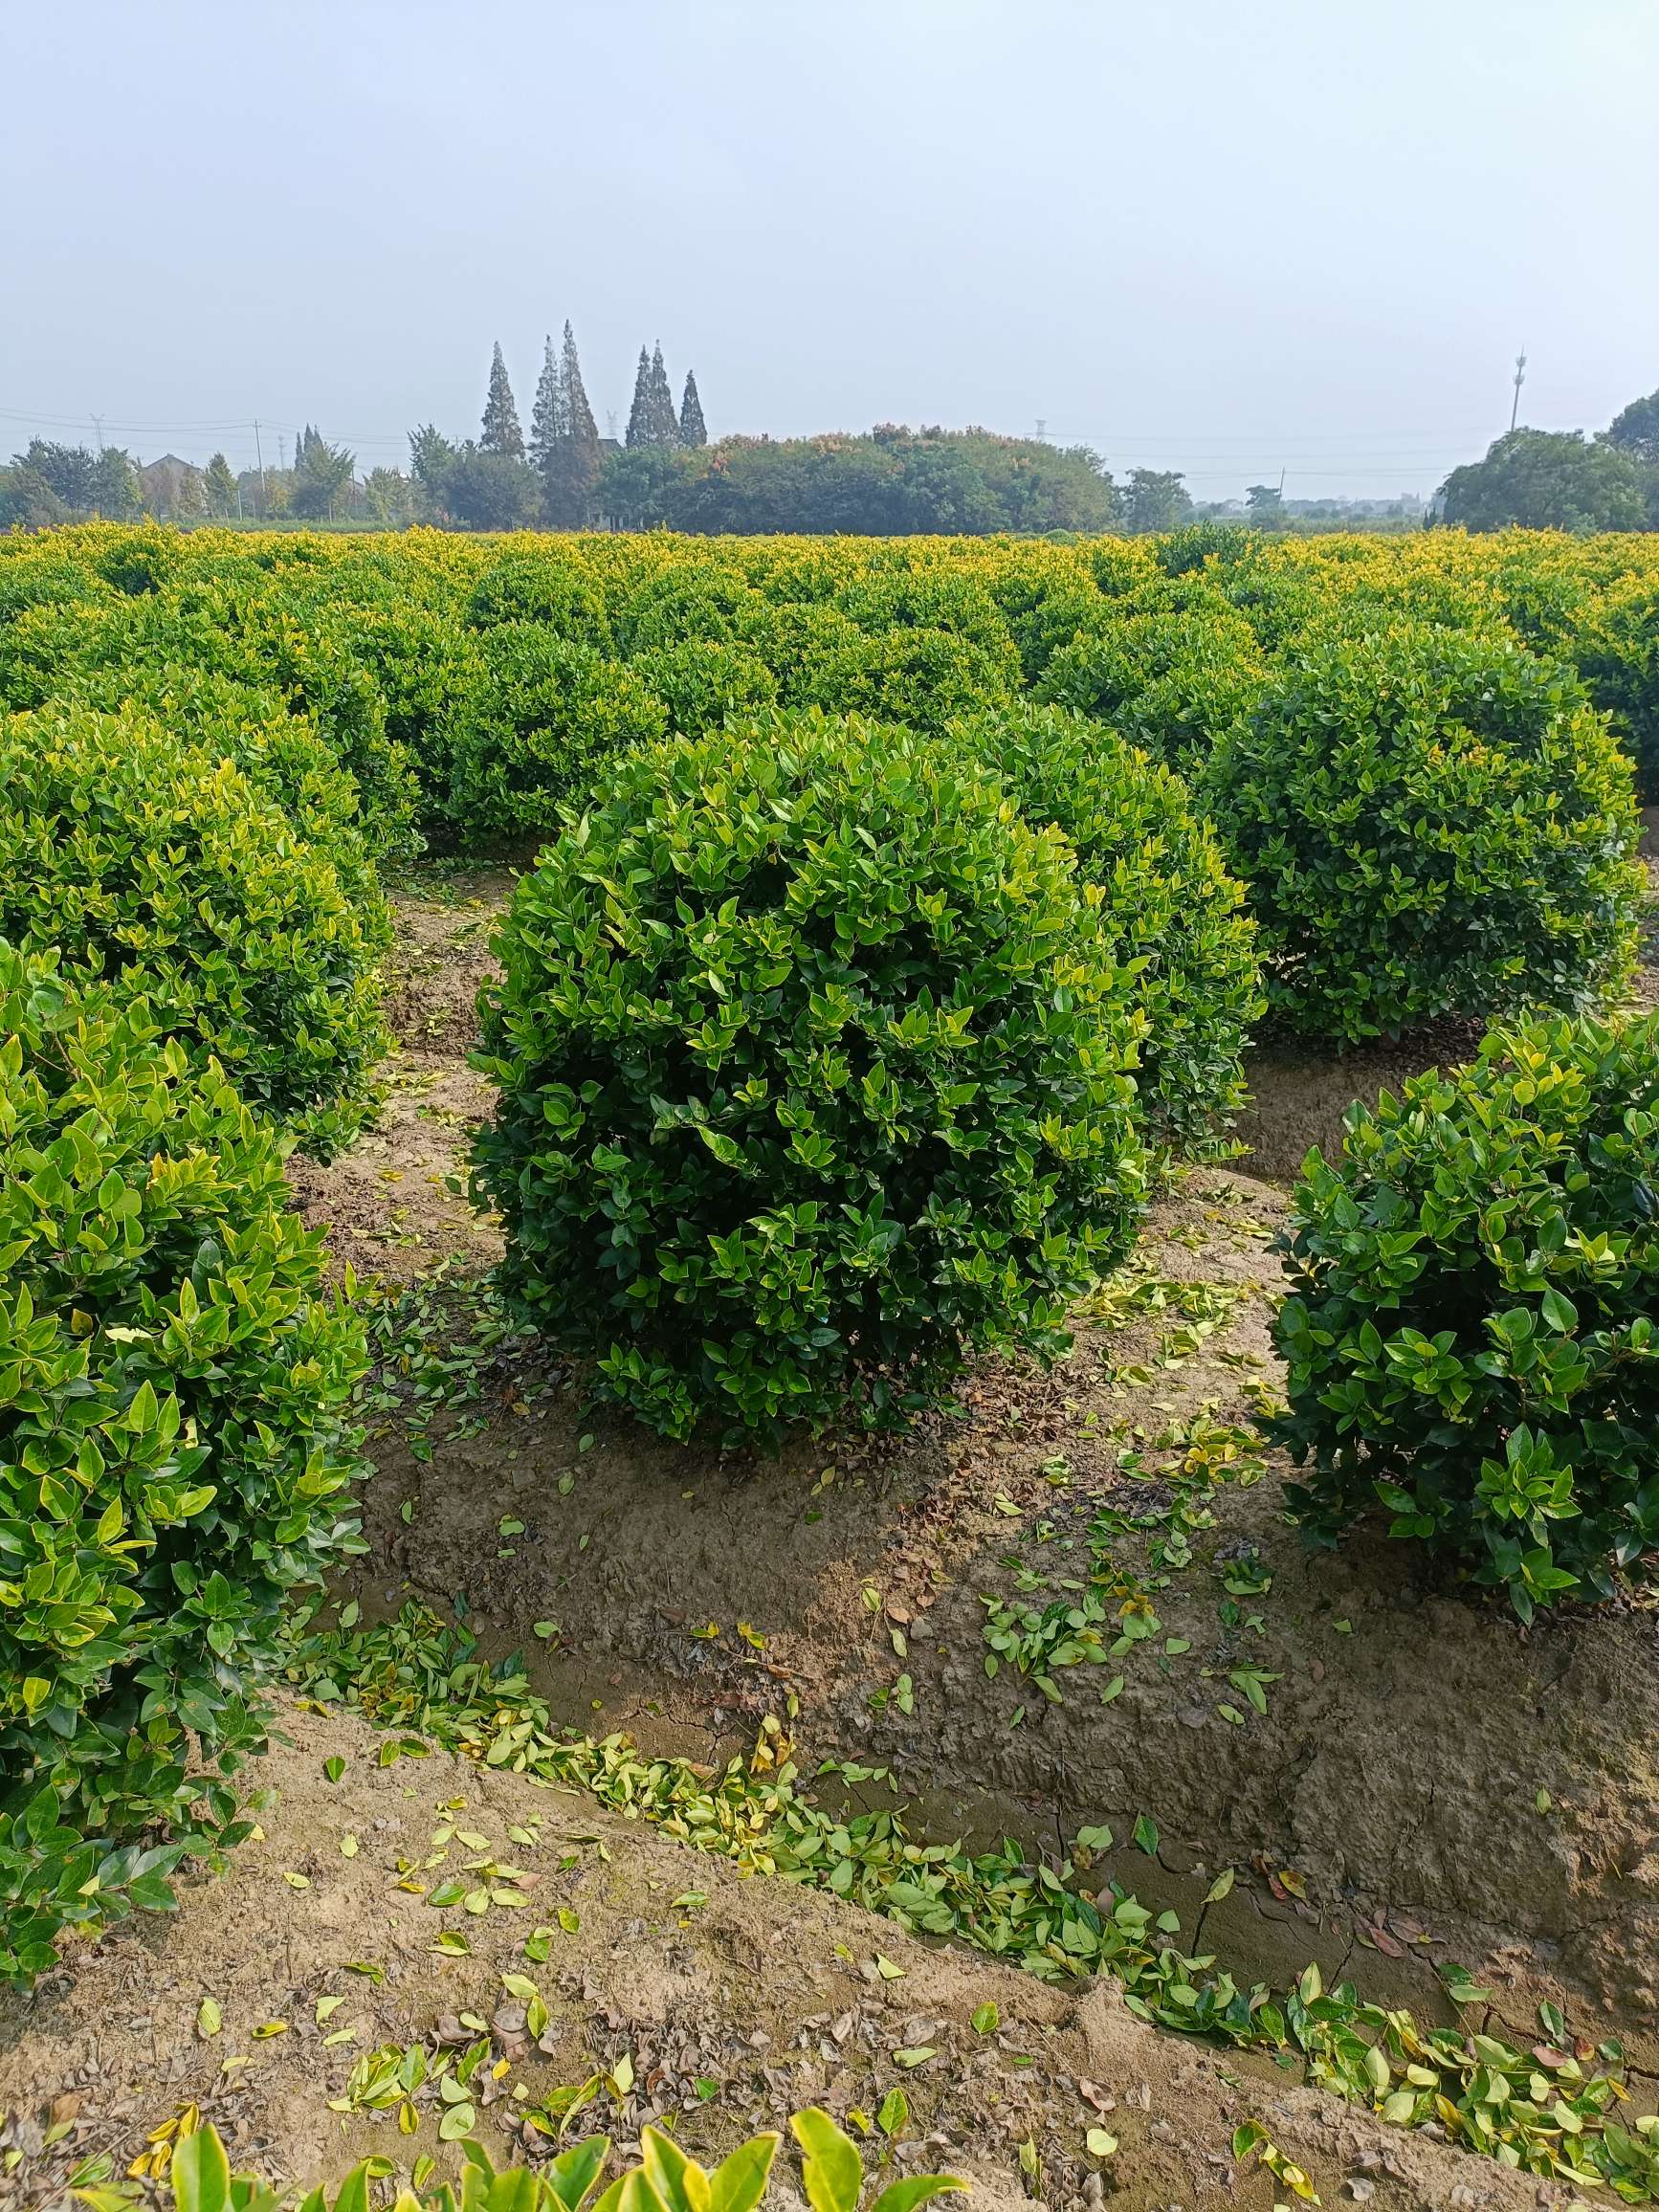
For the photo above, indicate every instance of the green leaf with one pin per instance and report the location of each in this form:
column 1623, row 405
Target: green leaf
column 201, row 2173
column 740, row 2181
column 574, row 2173
column 905, row 2196
column 831, row 2170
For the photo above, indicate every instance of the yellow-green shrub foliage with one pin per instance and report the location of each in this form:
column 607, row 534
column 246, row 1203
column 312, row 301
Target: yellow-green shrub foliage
column 1174, row 917
column 174, row 1443
column 702, row 681
column 921, row 676
column 167, row 870
column 813, row 1063
column 542, row 723
column 1161, row 680
column 1428, row 824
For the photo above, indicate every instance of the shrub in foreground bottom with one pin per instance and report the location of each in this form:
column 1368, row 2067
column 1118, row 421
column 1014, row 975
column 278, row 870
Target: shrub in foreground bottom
column 665, row 2179
column 172, row 1445
column 813, row 1063
column 1473, row 1342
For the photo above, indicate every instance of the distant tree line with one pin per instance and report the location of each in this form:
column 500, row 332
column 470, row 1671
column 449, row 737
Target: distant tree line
column 1562, row 481
column 891, row 481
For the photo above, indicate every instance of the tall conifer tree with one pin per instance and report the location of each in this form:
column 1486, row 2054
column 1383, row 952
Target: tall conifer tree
column 693, row 430
column 500, row 433
column 572, row 469
column 665, row 423
column 548, row 422
column 639, row 424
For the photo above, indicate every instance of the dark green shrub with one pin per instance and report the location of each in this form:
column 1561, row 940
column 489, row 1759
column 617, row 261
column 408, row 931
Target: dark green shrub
column 1616, row 653
column 692, row 598
column 1471, row 1340
column 173, row 1447
column 1165, row 682
column 700, row 682
column 813, row 1065
column 162, row 864
column 1427, row 824
column 922, row 677
column 1173, row 916
column 542, row 723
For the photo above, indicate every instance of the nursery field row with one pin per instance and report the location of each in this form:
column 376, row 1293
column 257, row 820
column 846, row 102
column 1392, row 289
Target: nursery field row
column 881, row 945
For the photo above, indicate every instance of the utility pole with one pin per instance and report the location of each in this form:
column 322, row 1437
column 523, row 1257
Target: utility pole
column 259, row 455
column 1042, row 430
column 1520, row 373
column 98, row 427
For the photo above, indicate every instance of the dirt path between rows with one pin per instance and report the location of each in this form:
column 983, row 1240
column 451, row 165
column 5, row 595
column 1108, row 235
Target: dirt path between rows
column 732, row 2001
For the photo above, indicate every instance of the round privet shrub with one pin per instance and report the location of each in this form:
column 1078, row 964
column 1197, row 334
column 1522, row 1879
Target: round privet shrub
column 1471, row 1339
column 174, row 1446
column 701, row 682
column 1174, row 917
column 923, row 677
column 164, row 866
column 814, row 1071
column 540, row 587
column 1164, row 680
column 278, row 750
column 541, row 721
column 1428, row 824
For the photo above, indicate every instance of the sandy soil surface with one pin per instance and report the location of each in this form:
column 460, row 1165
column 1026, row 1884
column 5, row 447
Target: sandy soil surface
column 732, row 2001
column 393, row 1205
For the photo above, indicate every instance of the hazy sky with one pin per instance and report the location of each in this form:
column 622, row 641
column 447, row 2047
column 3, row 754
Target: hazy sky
column 1223, row 235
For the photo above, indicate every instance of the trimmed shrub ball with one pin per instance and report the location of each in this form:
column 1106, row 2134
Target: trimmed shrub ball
column 815, row 1070
column 1174, row 916
column 1429, row 824
column 1472, row 1342
column 162, row 866
column 175, row 1445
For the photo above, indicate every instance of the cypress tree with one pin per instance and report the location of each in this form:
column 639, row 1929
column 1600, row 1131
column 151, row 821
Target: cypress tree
column 548, row 418
column 580, row 452
column 500, row 433
column 665, row 423
column 693, row 430
column 578, row 415
column 639, row 427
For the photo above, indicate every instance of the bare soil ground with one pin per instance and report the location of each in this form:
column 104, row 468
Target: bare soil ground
column 1427, row 1782
column 732, row 2010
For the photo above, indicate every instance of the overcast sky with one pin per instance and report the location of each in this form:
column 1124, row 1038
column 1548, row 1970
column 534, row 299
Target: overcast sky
column 1222, row 235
